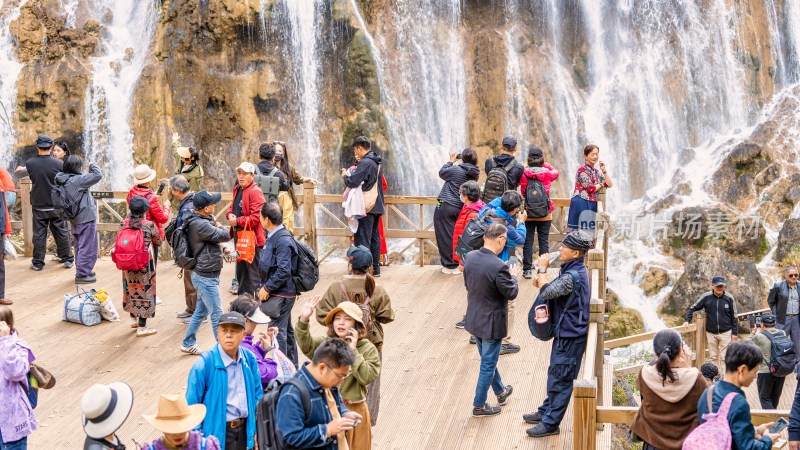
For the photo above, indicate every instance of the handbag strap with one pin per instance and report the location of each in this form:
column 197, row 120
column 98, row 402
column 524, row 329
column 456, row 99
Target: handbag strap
column 346, row 295
column 709, row 397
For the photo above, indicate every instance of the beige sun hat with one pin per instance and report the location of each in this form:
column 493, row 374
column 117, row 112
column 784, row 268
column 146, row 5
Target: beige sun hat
column 105, row 408
column 175, row 415
column 143, row 174
column 183, row 152
column 349, row 308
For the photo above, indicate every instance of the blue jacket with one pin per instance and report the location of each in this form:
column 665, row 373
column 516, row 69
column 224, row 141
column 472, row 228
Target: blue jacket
column 278, row 260
column 738, row 417
column 516, row 235
column 208, row 384
column 185, row 206
column 312, row 433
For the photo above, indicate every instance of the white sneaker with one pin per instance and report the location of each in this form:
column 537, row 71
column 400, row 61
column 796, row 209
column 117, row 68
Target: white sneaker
column 158, row 300
column 451, row 271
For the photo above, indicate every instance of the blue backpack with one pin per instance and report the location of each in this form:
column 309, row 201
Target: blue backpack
column 540, row 319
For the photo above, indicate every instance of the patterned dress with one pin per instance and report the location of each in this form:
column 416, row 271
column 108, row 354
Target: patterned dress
column 583, row 205
column 139, row 286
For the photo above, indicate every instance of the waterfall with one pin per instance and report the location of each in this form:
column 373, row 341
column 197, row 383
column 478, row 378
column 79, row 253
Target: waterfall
column 125, row 46
column 9, row 72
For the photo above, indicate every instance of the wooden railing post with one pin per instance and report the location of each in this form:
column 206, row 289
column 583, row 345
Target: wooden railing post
column 27, row 215
column 584, row 415
column 700, row 338
column 310, row 216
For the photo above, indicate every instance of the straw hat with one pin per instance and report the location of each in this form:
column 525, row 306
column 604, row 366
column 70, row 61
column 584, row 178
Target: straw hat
column 143, row 174
column 349, row 308
column 175, row 415
column 105, row 408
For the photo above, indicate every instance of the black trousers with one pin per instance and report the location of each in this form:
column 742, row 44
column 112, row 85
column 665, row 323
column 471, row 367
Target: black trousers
column 236, row 438
column 565, row 363
column 248, row 274
column 444, row 224
column 369, row 236
column 542, row 229
column 770, row 388
column 42, row 221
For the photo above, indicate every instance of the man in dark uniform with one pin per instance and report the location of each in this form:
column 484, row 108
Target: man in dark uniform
column 569, row 295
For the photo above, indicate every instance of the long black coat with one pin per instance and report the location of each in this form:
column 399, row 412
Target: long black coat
column 489, row 288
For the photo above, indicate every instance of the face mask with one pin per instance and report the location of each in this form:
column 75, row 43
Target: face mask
column 278, row 157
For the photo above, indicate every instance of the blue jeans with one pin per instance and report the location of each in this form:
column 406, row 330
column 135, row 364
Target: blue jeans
column 21, row 444
column 208, row 301
column 283, row 323
column 489, row 376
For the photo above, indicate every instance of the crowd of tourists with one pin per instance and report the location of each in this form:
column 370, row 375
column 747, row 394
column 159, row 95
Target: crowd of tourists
column 251, row 387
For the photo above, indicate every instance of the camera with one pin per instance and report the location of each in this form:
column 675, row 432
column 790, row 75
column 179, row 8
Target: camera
column 458, row 156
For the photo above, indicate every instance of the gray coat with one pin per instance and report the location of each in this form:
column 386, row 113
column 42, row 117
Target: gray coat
column 778, row 300
column 204, row 238
column 78, row 189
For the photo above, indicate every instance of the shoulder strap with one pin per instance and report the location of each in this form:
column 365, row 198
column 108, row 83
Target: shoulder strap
column 576, row 286
column 709, row 396
column 510, row 165
column 305, row 396
column 346, row 295
column 272, row 173
column 725, row 406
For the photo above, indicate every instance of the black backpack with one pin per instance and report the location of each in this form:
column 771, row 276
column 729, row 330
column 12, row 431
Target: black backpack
column 496, row 181
column 782, row 358
column 306, row 274
column 269, row 184
column 472, row 237
column 269, row 436
column 64, row 206
column 537, row 202
column 181, row 250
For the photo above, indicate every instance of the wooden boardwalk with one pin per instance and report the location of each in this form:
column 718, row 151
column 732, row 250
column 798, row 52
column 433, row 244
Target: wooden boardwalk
column 429, row 368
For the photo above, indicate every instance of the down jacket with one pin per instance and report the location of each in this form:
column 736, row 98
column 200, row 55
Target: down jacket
column 77, row 187
column 204, row 238
column 157, row 213
column 454, row 176
column 468, row 212
column 546, row 174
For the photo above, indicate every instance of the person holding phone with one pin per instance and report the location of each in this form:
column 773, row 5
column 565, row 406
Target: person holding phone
column 158, row 213
column 346, row 322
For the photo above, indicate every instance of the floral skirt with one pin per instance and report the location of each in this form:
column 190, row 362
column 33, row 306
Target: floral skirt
column 139, row 291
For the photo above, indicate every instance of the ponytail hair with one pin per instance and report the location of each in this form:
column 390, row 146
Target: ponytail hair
column 369, row 281
column 667, row 346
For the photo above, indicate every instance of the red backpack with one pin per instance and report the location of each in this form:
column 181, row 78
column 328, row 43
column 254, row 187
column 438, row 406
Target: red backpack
column 130, row 252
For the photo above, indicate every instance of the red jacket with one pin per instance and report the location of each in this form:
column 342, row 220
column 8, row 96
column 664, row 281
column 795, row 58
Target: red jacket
column 467, row 213
column 252, row 199
column 7, row 229
column 157, row 214
column 546, row 176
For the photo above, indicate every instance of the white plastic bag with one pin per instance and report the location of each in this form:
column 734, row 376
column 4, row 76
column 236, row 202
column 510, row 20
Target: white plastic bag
column 107, row 309
column 286, row 368
column 8, row 249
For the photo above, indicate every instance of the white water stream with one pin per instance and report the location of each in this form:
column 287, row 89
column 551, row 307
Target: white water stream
column 9, row 72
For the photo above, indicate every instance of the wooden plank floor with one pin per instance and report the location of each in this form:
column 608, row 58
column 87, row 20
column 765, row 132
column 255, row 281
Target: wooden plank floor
column 429, row 370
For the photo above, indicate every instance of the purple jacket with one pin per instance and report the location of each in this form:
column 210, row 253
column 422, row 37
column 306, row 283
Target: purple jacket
column 16, row 415
column 194, row 443
column 266, row 367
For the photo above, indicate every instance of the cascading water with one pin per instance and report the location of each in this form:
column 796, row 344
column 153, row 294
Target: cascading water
column 107, row 133
column 9, row 72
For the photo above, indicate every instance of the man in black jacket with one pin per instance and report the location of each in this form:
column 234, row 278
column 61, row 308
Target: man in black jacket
column 205, row 234
column 722, row 326
column 42, row 170
column 784, row 302
column 268, row 168
column 490, row 285
column 514, row 169
column 368, row 171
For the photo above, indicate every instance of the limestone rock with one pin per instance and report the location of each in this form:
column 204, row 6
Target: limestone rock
column 622, row 321
column 721, row 226
column 788, row 239
column 654, row 281
column 41, row 31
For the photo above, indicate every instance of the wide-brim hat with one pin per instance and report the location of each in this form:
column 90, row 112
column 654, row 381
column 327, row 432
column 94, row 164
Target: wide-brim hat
column 175, row 416
column 184, row 152
column 143, row 174
column 349, row 308
column 105, row 408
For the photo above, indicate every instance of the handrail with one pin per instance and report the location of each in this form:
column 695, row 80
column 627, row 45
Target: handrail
column 624, row 415
column 628, row 340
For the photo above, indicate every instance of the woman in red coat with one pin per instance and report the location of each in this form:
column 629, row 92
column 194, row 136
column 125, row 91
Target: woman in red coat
column 471, row 196
column 143, row 175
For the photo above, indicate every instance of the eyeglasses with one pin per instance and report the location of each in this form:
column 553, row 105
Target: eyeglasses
column 281, row 143
column 341, row 377
column 793, row 275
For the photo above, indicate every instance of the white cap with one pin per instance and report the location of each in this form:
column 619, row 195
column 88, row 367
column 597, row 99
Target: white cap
column 247, row 167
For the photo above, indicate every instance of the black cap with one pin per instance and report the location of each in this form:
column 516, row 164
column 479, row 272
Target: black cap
column 138, row 205
column 363, row 142
column 44, row 141
column 578, row 240
column 536, row 152
column 768, row 319
column 359, row 257
column 203, row 199
column 718, row 280
column 510, row 142
column 233, row 318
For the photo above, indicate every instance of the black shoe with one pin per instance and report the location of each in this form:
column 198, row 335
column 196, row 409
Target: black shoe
column 376, row 275
column 68, row 264
column 93, row 274
column 528, row 274
column 508, row 348
column 541, row 430
column 502, row 399
column 472, row 340
column 36, row 268
column 486, row 411
column 461, row 323
column 533, row 418
column 85, row 280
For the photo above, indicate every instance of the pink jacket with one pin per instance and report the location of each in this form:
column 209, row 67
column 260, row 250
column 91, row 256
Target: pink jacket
column 546, row 174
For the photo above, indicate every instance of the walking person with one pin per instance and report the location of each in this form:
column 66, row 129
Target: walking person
column 368, row 174
column 188, row 167
column 449, row 203
column 670, row 388
column 205, row 234
column 277, row 292
column 104, row 409
column 721, row 322
column 287, row 198
column 588, row 180
column 346, row 321
column 181, row 190
column 139, row 286
column 538, row 174
column 84, row 224
column 570, row 298
column 503, row 172
column 490, row 285
column 176, row 419
column 143, row 175
column 43, row 169
column 360, row 287
column 17, row 420
column 770, row 387
column 261, row 349
column 226, row 380
column 5, row 230
column 784, row 301
column 242, row 215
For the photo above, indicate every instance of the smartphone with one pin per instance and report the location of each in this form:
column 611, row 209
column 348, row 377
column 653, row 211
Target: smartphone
column 161, row 188
column 779, row 425
column 355, row 424
column 513, row 261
